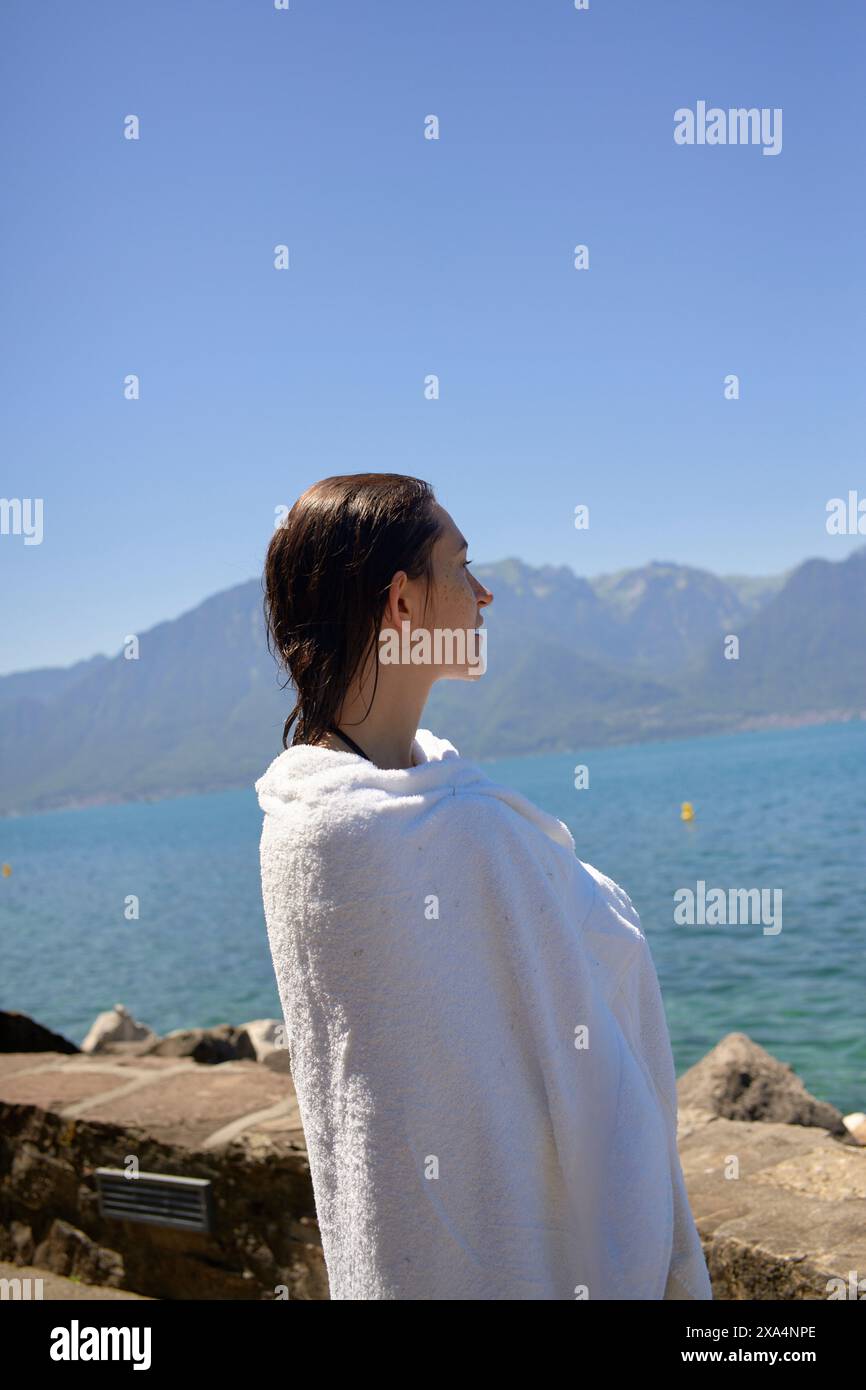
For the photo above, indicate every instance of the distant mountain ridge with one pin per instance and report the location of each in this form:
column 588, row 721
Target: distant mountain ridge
column 572, row 663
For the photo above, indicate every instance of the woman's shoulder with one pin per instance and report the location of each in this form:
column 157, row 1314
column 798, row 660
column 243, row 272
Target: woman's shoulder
column 614, row 897
column 615, row 937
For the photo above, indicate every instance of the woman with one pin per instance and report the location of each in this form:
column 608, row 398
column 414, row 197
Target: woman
column 476, row 1034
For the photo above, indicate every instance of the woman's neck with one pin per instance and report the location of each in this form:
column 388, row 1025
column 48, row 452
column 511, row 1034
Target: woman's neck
column 384, row 752
column 387, row 731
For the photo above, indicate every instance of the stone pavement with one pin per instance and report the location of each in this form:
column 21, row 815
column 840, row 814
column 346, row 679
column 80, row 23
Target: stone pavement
column 236, row 1124
column 780, row 1208
column 180, row 1101
column 791, row 1220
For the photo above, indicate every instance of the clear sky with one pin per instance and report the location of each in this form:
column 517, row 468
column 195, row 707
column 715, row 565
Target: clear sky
column 410, row 256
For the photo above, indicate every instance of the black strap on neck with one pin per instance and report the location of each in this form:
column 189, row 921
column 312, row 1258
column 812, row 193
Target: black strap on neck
column 351, row 742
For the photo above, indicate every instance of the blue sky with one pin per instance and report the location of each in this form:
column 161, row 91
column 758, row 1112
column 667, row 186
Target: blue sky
column 411, row 256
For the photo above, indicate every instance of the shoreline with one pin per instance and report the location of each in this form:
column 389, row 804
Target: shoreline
column 748, row 724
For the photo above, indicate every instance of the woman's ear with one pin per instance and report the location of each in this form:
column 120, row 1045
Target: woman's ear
column 398, row 608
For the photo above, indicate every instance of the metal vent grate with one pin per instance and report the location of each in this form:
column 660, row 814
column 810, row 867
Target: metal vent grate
column 160, row 1199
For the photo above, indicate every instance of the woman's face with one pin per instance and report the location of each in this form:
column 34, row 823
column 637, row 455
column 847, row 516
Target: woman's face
column 456, row 601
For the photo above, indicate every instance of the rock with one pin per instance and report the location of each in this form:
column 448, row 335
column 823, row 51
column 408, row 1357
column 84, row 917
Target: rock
column 739, row 1080
column 258, row 1041
column 18, row 1244
column 278, row 1060
column 856, row 1125
column 210, row 1046
column 779, row 1208
column 18, row 1033
column 129, row 1049
column 115, row 1026
column 66, row 1250
column 266, row 1036
column 264, row 1236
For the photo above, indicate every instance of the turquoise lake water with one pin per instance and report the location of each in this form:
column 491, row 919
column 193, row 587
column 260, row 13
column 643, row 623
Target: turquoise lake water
column 783, row 810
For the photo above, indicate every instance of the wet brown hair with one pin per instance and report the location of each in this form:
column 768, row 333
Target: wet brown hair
column 327, row 573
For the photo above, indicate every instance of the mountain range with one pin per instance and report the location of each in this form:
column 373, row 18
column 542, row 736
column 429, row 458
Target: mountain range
column 571, row 663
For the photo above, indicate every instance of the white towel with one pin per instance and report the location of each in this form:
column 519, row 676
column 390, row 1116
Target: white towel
column 442, row 956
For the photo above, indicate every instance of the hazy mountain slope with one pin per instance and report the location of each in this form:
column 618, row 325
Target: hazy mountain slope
column 199, row 709
column 755, row 591
column 805, row 650
column 539, row 695
column 45, row 684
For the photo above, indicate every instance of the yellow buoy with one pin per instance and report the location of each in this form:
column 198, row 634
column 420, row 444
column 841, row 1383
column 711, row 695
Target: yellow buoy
column 687, row 811
column 7, row 869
